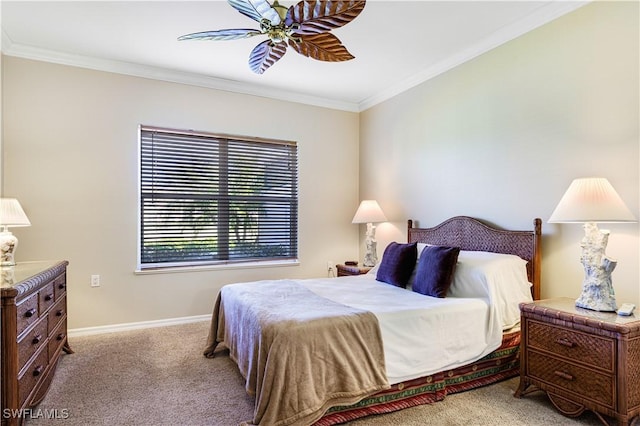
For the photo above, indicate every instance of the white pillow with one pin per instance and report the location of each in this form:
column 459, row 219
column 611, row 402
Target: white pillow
column 501, row 278
column 374, row 270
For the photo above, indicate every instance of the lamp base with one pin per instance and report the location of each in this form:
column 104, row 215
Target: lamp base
column 597, row 296
column 8, row 244
column 597, row 288
column 7, row 276
column 596, row 305
column 371, row 257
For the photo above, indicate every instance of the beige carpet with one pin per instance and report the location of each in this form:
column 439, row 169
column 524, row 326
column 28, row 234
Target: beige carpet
column 158, row 376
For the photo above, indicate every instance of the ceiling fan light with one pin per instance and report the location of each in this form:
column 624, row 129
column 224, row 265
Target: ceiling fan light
column 282, row 10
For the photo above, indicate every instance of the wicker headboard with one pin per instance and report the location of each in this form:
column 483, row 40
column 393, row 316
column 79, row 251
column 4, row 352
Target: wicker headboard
column 471, row 234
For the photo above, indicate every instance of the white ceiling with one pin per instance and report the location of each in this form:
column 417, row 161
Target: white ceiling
column 396, row 44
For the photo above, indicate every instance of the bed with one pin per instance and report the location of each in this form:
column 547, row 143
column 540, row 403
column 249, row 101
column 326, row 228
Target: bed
column 328, row 351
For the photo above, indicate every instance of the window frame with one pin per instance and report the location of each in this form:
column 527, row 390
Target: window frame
column 177, row 265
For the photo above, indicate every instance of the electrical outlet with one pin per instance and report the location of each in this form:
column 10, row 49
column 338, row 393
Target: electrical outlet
column 95, row 280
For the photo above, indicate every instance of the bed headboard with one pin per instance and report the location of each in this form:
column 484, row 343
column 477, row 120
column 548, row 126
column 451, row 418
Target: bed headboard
column 471, row 234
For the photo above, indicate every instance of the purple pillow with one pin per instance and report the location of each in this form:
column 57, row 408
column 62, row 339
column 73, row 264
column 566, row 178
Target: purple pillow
column 434, row 273
column 397, row 263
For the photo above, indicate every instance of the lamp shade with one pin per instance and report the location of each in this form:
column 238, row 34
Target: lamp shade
column 11, row 213
column 369, row 212
column 591, row 200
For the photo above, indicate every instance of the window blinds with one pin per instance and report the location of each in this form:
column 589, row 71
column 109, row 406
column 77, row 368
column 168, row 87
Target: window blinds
column 207, row 199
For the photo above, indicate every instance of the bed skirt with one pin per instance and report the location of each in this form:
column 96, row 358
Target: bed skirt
column 501, row 364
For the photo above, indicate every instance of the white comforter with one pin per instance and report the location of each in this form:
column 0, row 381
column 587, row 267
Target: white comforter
column 421, row 335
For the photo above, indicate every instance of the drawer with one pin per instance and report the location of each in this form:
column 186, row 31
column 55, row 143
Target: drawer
column 58, row 312
column 46, row 298
column 27, row 312
column 585, row 383
column 30, row 342
column 32, row 374
column 571, row 344
column 57, row 338
column 60, row 285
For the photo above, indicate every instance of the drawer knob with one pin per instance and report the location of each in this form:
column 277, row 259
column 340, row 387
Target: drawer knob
column 48, row 297
column 566, row 342
column 60, row 336
column 61, row 286
column 59, row 313
column 37, row 339
column 31, row 312
column 564, row 375
column 38, row 371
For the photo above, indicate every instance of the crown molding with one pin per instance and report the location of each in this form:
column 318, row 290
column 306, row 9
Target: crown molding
column 5, row 41
column 543, row 15
column 546, row 13
column 173, row 76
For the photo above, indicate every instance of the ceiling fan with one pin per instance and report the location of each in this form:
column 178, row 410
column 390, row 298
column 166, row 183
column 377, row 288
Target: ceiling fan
column 304, row 27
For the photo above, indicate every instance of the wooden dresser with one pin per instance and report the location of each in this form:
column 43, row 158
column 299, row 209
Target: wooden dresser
column 582, row 359
column 34, row 332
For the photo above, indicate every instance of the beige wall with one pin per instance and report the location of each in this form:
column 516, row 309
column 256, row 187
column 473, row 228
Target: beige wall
column 502, row 136
column 71, row 158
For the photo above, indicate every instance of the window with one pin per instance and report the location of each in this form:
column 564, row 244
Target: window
column 216, row 199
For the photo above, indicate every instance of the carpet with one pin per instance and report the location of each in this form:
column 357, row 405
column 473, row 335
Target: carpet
column 158, row 376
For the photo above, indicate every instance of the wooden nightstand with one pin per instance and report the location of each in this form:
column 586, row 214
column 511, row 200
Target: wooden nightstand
column 582, row 359
column 344, row 270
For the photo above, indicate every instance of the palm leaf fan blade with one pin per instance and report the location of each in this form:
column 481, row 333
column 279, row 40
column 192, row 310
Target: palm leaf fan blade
column 323, row 47
column 233, row 34
column 256, row 10
column 265, row 54
column 319, row 16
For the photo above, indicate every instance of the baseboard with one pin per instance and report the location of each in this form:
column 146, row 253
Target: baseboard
column 87, row 331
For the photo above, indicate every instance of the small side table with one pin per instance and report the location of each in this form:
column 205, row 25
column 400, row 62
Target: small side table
column 344, row 270
column 582, row 359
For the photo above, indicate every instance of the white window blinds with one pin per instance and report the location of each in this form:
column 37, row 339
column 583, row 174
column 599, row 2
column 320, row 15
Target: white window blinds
column 211, row 199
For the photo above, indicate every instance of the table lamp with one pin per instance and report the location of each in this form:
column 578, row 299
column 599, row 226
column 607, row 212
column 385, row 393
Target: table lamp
column 369, row 212
column 11, row 214
column 588, row 201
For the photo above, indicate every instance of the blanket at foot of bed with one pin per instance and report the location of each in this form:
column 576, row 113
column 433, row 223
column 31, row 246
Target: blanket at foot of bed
column 335, row 348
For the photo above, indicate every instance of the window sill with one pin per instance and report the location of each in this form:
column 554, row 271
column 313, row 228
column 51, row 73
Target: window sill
column 198, row 268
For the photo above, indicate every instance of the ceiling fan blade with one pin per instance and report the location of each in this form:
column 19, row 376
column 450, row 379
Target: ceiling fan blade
column 256, row 10
column 319, row 16
column 266, row 54
column 323, row 47
column 233, row 34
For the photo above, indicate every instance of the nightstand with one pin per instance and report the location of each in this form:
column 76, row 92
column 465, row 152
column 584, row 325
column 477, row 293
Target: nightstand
column 582, row 359
column 344, row 270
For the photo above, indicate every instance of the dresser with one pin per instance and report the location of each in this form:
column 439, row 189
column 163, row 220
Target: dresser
column 34, row 333
column 582, row 359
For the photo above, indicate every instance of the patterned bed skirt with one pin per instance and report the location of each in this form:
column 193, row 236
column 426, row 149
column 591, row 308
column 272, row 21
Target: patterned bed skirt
column 501, row 364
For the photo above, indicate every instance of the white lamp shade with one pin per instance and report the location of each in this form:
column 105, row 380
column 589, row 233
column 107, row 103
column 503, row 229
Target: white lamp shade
column 369, row 212
column 11, row 213
column 591, row 200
